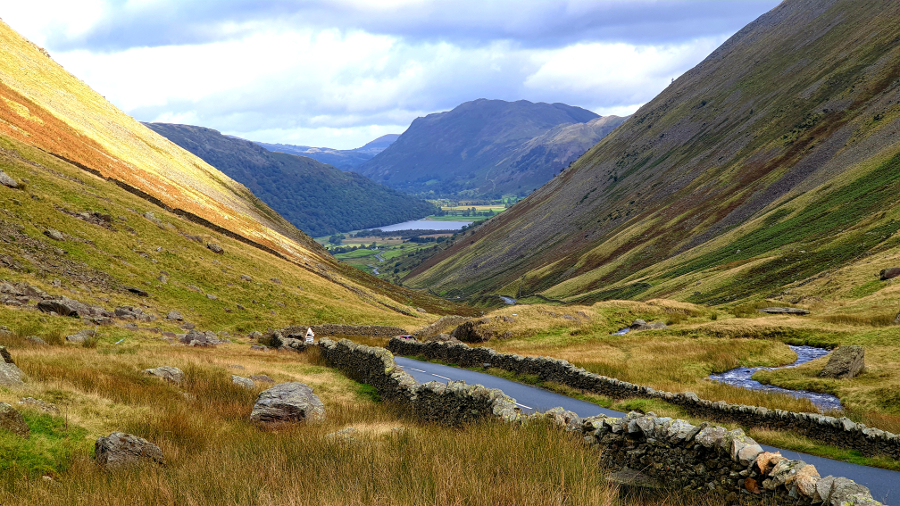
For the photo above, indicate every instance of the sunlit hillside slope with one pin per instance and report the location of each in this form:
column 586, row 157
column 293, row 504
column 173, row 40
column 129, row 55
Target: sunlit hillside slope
column 774, row 161
column 42, row 106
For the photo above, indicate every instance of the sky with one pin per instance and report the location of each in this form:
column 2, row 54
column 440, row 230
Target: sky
column 339, row 73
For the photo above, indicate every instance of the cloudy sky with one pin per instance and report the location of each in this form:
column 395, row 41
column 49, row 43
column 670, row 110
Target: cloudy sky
column 339, row 73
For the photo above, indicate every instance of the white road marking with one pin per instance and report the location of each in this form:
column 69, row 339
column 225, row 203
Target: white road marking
column 524, row 406
column 442, row 377
column 414, row 369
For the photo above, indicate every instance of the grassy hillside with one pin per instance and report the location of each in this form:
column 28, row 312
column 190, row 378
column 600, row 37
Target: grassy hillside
column 770, row 168
column 481, row 149
column 317, row 198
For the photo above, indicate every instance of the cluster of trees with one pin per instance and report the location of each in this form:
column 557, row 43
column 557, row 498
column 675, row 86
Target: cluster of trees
column 469, row 211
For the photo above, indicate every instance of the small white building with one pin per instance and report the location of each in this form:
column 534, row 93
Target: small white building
column 310, row 335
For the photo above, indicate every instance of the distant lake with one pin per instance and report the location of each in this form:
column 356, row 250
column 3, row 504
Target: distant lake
column 425, row 225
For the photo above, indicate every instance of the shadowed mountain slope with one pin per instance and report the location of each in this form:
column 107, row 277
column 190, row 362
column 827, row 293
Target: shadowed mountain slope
column 773, row 161
column 317, row 198
column 479, row 149
column 46, row 112
column 344, row 159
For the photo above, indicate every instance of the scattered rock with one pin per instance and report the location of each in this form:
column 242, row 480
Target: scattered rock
column 255, row 334
column 215, row 248
column 211, row 297
column 262, row 378
column 197, row 338
column 889, row 273
column 243, row 382
column 845, row 362
column 10, row 375
column 175, row 315
column 638, row 323
column 245, row 277
column 257, row 347
column 442, row 338
column 12, row 421
column 37, row 341
column 133, row 313
column 137, row 291
column 5, row 356
column 292, row 344
column 288, row 402
column 54, row 234
column 7, row 181
column 82, row 336
column 120, row 449
column 40, row 405
column 65, row 306
column 236, row 366
column 784, row 310
column 168, row 373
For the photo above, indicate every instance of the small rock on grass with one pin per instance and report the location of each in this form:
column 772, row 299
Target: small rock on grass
column 12, row 421
column 7, row 181
column 215, row 248
column 54, row 234
column 243, row 382
column 170, row 374
column 120, row 450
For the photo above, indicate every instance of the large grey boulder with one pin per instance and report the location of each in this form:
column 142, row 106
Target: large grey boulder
column 65, row 306
column 8, row 181
column 120, row 449
column 10, row 375
column 288, row 402
column 845, row 362
column 12, row 420
column 170, row 374
column 468, row 332
column 197, row 338
column 889, row 273
column 81, row 336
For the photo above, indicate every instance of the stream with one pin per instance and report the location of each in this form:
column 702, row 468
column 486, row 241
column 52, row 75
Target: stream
column 742, row 377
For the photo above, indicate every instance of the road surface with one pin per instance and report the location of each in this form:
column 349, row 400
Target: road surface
column 884, row 484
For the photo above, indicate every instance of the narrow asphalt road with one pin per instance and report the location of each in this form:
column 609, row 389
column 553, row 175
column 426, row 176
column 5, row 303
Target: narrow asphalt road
column 884, row 484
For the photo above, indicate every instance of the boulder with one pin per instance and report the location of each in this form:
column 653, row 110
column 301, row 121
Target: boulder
column 37, row 341
column 247, row 278
column 39, row 405
column 12, row 421
column 7, row 181
column 292, row 344
column 442, row 338
column 65, row 306
column 197, row 338
column 845, row 362
column 11, row 376
column 243, row 382
column 120, row 449
column 889, row 273
column 175, row 315
column 5, row 356
column 215, row 248
column 170, row 374
column 262, row 378
column 137, row 291
column 288, row 402
column 82, row 336
column 784, row 310
column 54, row 234
column 636, row 327
column 468, row 332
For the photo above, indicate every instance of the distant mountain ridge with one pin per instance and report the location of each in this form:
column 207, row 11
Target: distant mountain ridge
column 344, row 159
column 772, row 166
column 316, row 197
column 486, row 148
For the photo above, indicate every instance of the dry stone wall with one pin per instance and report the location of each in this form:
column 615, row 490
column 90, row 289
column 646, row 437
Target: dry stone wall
column 330, row 329
column 840, row 432
column 705, row 458
column 454, row 403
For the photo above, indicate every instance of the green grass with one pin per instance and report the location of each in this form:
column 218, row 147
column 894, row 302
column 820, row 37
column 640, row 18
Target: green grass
column 50, row 449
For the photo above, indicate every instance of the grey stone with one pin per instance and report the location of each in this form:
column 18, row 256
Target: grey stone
column 215, row 248
column 120, row 450
column 845, row 362
column 844, row 490
column 344, row 435
column 12, row 421
column 288, row 402
column 37, row 341
column 891, row 272
column 468, row 332
column 243, row 382
column 245, row 277
column 81, row 336
column 175, row 315
column 628, row 477
column 168, row 373
column 54, row 234
column 202, row 339
column 65, row 306
column 8, row 181
column 291, row 344
column 262, row 378
column 11, row 376
column 211, row 297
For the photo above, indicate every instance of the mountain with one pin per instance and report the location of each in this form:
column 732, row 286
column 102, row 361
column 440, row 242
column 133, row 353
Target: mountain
column 317, row 198
column 105, row 210
column 481, row 149
column 772, row 167
column 347, row 159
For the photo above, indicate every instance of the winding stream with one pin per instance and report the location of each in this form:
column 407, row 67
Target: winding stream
column 742, row 377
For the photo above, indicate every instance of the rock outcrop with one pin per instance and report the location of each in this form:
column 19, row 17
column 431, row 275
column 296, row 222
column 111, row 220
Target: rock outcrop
column 288, row 402
column 12, row 421
column 120, row 449
column 889, row 273
column 845, row 362
column 469, row 332
column 201, row 339
column 10, row 374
